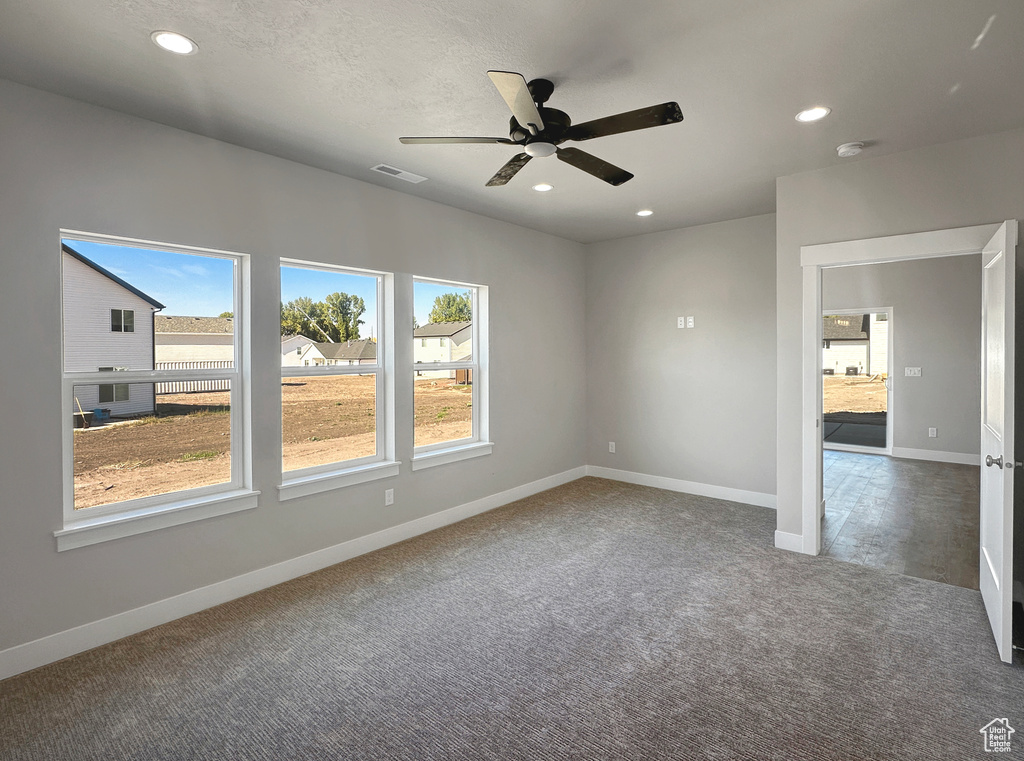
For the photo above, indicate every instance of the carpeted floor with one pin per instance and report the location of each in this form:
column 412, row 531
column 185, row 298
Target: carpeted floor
column 598, row 620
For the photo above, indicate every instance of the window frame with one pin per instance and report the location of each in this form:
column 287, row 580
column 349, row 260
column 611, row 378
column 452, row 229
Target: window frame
column 142, row 514
column 478, row 443
column 300, row 482
column 121, row 321
column 113, row 393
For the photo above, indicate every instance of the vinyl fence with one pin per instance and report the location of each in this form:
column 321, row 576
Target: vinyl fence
column 185, row 387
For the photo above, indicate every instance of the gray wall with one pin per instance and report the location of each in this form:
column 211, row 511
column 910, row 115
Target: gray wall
column 696, row 405
column 66, row 164
column 968, row 182
column 936, row 326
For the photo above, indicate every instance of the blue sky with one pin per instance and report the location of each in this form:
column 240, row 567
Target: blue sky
column 201, row 286
column 196, row 286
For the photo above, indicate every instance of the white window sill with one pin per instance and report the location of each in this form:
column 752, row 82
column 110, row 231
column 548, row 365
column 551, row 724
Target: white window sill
column 452, row 454
column 82, row 533
column 316, row 483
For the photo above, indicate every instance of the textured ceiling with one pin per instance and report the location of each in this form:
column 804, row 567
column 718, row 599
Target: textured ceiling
column 334, row 83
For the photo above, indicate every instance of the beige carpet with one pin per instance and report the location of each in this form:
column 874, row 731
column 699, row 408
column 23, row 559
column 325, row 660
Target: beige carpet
column 595, row 621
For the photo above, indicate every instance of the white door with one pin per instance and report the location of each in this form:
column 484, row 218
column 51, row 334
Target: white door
column 997, row 432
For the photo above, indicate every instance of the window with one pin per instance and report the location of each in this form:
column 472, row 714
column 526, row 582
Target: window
column 335, row 422
column 116, row 392
column 179, row 450
column 450, row 389
column 122, row 320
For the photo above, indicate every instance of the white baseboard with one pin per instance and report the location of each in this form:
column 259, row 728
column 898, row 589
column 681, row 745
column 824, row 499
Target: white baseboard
column 791, row 542
column 957, row 458
column 54, row 647
column 688, row 487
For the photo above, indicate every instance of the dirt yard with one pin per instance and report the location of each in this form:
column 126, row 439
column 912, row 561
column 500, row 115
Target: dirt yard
column 187, row 444
column 854, row 394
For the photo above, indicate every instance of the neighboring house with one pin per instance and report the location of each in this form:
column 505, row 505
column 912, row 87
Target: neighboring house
column 845, row 344
column 858, row 341
column 194, row 339
column 361, row 352
column 108, row 324
column 291, row 350
column 442, row 342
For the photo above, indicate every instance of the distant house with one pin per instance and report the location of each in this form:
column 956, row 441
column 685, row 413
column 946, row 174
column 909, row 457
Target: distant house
column 194, row 339
column 855, row 344
column 108, row 325
column 361, row 352
column 442, row 342
column 291, row 349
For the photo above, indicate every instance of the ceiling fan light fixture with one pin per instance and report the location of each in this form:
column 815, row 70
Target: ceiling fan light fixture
column 813, row 114
column 543, row 187
column 173, row 42
column 540, row 149
column 644, row 213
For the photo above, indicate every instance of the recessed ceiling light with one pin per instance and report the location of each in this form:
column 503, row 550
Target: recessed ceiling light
column 543, row 187
column 813, row 114
column 644, row 213
column 174, row 42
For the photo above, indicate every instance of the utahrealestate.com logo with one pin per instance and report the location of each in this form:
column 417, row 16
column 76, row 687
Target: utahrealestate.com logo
column 997, row 736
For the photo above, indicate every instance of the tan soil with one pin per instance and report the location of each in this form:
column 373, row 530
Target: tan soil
column 324, row 420
column 854, row 394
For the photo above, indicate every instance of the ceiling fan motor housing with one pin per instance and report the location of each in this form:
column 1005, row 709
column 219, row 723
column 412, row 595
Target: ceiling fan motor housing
column 555, row 124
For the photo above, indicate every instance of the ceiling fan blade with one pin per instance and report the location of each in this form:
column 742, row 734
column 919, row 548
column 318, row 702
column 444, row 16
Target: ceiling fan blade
column 509, row 171
column 517, row 95
column 642, row 118
column 600, row 168
column 424, row 140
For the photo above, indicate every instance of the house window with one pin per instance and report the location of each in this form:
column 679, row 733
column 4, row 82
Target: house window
column 114, row 392
column 122, row 320
column 450, row 389
column 335, row 424
column 186, row 444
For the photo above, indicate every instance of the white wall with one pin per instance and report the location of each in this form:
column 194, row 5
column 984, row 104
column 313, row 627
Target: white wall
column 696, row 405
column 67, row 164
column 936, row 326
column 968, row 182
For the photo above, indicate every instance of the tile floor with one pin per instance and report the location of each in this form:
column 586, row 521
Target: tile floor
column 909, row 516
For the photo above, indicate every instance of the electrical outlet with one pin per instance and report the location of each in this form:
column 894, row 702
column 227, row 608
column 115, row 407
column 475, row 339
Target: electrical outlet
column 689, row 321
column 611, row 447
column 933, row 433
column 389, row 497
column 912, row 372
column 681, row 322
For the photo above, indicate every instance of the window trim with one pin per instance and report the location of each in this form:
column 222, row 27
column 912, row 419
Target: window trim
column 477, row 444
column 120, row 321
column 118, row 519
column 300, row 482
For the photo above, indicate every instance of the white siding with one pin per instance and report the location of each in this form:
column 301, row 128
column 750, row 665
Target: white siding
column 843, row 354
column 140, row 400
column 89, row 343
column 195, row 347
column 879, row 345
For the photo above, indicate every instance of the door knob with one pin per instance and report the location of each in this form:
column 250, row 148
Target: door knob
column 997, row 461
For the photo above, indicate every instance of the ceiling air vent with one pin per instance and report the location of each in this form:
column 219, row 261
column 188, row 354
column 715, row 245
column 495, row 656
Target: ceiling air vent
column 399, row 173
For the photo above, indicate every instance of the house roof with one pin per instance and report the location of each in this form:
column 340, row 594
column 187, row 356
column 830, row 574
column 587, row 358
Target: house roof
column 364, row 348
column 434, row 329
column 108, row 274
column 846, row 327
column 178, row 324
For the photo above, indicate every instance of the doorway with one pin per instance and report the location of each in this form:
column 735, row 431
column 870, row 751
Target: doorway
column 996, row 244
column 856, row 355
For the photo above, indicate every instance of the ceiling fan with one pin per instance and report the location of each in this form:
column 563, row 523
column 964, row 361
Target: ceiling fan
column 540, row 130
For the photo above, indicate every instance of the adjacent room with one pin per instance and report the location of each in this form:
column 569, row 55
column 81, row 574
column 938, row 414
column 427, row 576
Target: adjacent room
column 458, row 381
